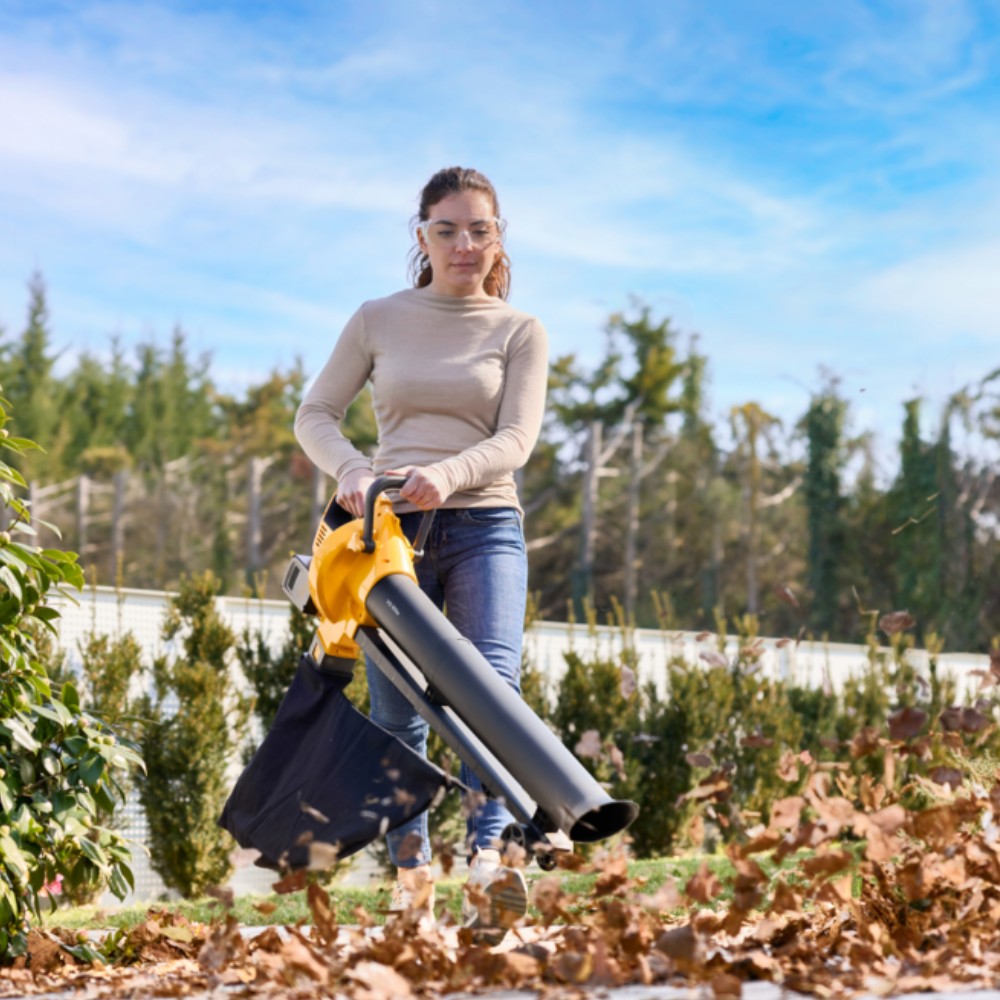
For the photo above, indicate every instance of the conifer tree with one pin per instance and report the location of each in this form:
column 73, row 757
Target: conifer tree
column 915, row 509
column 198, row 725
column 31, row 387
column 824, row 424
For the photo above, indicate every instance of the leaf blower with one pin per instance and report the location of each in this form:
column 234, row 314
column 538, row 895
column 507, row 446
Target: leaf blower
column 326, row 775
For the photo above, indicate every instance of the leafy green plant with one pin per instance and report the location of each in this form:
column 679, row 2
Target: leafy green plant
column 61, row 769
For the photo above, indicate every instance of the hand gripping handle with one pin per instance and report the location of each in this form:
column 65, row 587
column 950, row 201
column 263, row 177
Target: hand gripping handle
column 381, row 484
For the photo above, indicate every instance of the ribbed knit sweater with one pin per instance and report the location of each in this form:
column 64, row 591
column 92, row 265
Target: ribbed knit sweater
column 458, row 384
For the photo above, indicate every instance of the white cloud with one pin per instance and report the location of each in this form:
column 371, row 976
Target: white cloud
column 253, row 180
column 946, row 292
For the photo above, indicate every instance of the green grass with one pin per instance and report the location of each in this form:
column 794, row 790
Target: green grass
column 646, row 877
column 292, row 908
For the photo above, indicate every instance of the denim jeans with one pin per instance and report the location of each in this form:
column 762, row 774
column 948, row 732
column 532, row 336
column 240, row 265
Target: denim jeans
column 474, row 566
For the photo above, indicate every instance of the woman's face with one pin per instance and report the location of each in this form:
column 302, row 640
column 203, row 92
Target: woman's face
column 461, row 239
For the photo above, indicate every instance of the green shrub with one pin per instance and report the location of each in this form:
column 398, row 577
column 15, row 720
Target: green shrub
column 196, row 727
column 60, row 768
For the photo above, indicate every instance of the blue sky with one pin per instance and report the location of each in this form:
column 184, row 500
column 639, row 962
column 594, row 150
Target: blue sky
column 800, row 185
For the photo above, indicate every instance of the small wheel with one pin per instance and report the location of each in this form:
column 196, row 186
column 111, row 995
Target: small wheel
column 546, row 861
column 515, row 833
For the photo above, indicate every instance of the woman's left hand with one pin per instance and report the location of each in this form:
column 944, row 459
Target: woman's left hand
column 424, row 487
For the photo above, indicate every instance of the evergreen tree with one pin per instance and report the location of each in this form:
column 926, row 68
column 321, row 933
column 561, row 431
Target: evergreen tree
column 752, row 425
column 97, row 398
column 824, row 425
column 197, row 727
column 31, row 387
column 915, row 508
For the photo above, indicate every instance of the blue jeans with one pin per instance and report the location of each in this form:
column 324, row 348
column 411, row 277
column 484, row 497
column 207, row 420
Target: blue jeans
column 474, row 565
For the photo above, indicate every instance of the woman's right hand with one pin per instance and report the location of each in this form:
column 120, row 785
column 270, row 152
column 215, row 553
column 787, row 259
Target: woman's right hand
column 351, row 491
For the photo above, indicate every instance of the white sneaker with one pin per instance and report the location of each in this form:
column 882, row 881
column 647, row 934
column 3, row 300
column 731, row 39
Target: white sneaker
column 496, row 896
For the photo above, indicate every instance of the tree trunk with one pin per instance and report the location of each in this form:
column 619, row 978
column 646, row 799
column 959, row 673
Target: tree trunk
column 118, row 526
column 632, row 523
column 583, row 590
column 320, row 497
column 82, row 513
column 255, row 473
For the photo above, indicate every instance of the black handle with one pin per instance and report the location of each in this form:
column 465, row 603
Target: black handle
column 381, row 484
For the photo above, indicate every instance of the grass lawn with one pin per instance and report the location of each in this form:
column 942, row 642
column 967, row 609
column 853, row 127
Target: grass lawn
column 291, row 908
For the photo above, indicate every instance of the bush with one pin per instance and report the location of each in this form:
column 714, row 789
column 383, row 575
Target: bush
column 60, row 768
column 195, row 729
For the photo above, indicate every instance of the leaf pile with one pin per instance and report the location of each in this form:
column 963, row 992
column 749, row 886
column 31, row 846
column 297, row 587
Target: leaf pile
column 853, row 885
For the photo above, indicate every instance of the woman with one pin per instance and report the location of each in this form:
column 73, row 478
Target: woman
column 458, row 386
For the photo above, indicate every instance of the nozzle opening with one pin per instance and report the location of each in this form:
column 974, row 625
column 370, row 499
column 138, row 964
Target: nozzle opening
column 605, row 821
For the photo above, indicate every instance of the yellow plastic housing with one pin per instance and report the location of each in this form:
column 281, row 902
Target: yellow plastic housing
column 342, row 574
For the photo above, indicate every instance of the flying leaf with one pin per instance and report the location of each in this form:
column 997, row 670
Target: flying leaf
column 704, row 885
column 628, row 683
column 896, row 621
column 589, row 744
column 713, row 658
column 906, row 722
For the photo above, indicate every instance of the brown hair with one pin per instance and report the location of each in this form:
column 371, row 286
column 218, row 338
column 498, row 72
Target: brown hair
column 454, row 180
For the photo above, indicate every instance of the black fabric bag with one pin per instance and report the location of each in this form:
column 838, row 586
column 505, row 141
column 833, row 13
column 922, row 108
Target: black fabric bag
column 325, row 774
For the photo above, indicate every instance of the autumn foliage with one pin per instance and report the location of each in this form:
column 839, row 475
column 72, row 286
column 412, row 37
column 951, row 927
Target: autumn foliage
column 858, row 879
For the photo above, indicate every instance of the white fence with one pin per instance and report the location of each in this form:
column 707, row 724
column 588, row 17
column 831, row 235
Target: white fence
column 808, row 664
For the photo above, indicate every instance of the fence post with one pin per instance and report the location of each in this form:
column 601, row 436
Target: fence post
column 632, row 523
column 82, row 511
column 255, row 472
column 583, row 590
column 118, row 524
column 320, row 497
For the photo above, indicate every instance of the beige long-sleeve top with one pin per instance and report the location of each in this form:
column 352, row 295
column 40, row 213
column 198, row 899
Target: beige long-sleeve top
column 458, row 384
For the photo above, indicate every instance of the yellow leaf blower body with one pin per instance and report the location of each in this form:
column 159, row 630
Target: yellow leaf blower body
column 360, row 584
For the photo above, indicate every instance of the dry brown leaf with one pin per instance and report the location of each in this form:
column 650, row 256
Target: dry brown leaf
column 572, row 967
column 825, row 864
column 786, row 594
column 788, row 766
column 323, row 918
column 949, row 776
column 704, row 885
column 589, row 744
column 680, row 944
column 905, row 723
column 314, row 813
column 380, row 982
column 628, row 684
column 726, row 985
column 785, row 813
column 294, row 882
column 896, row 621
column 299, row 959
column 713, row 658
column 865, row 742
column 784, row 899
